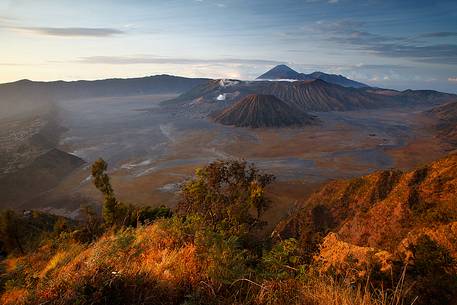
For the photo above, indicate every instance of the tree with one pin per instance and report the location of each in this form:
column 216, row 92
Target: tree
column 116, row 213
column 229, row 195
column 102, row 183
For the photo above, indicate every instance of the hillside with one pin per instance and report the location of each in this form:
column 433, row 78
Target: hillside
column 257, row 110
column 42, row 174
column 446, row 115
column 380, row 209
column 374, row 240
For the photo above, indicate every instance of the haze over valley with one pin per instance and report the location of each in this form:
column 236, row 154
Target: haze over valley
column 154, row 131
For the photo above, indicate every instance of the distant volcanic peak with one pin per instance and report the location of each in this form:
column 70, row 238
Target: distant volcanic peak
column 280, row 72
column 263, row 110
column 284, row 72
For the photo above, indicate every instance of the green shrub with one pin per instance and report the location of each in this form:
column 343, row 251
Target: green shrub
column 433, row 273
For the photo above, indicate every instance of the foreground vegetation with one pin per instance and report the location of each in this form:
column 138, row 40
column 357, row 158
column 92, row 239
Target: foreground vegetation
column 211, row 250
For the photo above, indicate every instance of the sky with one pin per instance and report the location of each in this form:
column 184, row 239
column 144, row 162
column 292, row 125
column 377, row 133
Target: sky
column 385, row 43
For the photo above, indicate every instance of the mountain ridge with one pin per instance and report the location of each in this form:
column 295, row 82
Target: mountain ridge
column 309, row 96
column 284, row 72
column 379, row 209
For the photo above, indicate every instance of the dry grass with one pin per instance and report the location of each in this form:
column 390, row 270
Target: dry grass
column 323, row 290
column 159, row 264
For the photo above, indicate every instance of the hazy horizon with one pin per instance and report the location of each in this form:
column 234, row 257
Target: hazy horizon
column 407, row 45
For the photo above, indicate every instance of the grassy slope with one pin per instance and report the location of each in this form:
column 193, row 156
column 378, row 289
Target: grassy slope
column 159, row 264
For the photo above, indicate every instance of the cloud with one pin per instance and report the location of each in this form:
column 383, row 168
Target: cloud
column 12, row 64
column 328, row 1
column 148, row 59
column 5, row 19
column 452, row 79
column 349, row 33
column 72, row 32
column 438, row 34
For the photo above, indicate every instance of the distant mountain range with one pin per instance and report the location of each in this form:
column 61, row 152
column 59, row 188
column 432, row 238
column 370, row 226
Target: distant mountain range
column 31, row 96
column 260, row 110
column 284, row 72
column 313, row 92
column 107, row 87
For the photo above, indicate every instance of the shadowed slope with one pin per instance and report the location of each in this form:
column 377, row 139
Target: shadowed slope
column 44, row 173
column 447, row 121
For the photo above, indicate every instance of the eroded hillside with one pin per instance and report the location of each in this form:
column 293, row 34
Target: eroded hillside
column 379, row 209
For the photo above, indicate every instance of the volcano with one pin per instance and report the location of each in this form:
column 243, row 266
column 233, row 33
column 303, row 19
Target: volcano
column 262, row 110
column 284, row 72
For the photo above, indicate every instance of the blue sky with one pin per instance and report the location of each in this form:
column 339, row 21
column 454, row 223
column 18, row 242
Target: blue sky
column 395, row 44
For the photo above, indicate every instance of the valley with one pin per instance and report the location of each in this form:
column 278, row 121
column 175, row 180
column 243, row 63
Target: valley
column 151, row 152
column 155, row 131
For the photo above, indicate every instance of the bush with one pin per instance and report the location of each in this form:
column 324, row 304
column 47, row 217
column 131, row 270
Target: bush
column 228, row 195
column 433, row 273
column 116, row 213
column 283, row 260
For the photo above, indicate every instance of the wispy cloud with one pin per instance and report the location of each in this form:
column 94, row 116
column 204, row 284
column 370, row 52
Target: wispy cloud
column 148, row 59
column 328, row 1
column 438, row 34
column 12, row 64
column 12, row 24
column 452, row 79
column 350, row 33
column 72, row 32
